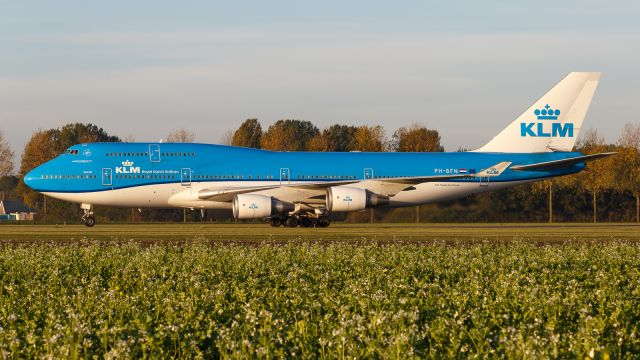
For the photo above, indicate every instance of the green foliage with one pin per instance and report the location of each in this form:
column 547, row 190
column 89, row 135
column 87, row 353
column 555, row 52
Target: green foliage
column 369, row 138
column 289, row 135
column 77, row 133
column 248, row 134
column 8, row 185
column 416, row 138
column 6, row 157
column 334, row 138
column 502, row 299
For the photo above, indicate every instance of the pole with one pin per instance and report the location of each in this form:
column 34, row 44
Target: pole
column 594, row 206
column 550, row 202
column 45, row 208
column 418, row 214
column 372, row 215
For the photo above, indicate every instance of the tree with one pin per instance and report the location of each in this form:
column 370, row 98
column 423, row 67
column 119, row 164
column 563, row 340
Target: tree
column 289, row 135
column 416, row 138
column 334, row 138
column 8, row 185
column 181, row 135
column 248, row 134
column 547, row 186
column 6, row 157
column 78, row 133
column 227, row 138
column 369, row 138
column 627, row 163
column 598, row 175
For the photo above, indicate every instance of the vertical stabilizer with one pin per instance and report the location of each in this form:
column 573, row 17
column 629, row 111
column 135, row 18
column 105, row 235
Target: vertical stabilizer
column 553, row 122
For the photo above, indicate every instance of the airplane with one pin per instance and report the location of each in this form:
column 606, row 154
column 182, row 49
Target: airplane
column 304, row 188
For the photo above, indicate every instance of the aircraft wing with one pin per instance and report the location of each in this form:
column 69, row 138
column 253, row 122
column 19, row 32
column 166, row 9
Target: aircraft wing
column 226, row 194
column 492, row 171
column 555, row 164
column 391, row 185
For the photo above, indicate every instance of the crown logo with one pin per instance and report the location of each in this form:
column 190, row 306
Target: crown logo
column 127, row 163
column 547, row 113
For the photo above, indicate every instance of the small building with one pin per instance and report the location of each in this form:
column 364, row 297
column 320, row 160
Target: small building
column 16, row 210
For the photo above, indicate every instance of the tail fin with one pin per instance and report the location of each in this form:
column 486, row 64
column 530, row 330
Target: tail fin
column 553, row 122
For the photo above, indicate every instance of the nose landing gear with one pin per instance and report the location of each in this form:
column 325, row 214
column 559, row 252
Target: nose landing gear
column 87, row 215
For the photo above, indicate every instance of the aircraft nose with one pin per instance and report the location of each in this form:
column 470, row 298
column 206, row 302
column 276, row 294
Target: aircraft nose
column 32, row 179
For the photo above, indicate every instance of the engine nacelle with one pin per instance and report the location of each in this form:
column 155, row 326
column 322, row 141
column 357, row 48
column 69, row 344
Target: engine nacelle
column 346, row 198
column 253, row 206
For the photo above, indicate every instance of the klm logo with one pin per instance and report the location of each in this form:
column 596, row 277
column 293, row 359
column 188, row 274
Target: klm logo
column 127, row 168
column 540, row 129
column 253, row 206
column 347, row 198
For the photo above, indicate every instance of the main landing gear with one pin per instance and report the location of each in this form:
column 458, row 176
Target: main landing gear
column 87, row 215
column 302, row 221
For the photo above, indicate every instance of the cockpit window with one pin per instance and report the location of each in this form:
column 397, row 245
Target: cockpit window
column 72, row 152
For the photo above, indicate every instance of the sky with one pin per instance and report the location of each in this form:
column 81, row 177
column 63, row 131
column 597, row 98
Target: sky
column 466, row 68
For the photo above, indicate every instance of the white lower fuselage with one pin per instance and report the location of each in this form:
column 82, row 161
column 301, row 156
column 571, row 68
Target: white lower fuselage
column 176, row 195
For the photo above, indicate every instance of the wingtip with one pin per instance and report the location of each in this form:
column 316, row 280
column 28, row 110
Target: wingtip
column 590, row 75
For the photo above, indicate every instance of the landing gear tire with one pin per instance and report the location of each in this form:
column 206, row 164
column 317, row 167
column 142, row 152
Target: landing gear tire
column 324, row 222
column 276, row 222
column 89, row 221
column 306, row 222
column 291, row 222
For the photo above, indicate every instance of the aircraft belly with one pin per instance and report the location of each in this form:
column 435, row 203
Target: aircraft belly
column 147, row 196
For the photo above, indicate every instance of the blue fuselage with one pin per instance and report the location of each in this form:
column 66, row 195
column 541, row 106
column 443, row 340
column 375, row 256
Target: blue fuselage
column 110, row 166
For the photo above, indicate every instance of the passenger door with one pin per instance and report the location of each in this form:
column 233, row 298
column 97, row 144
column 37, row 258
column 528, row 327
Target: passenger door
column 107, row 178
column 484, row 181
column 185, row 176
column 285, row 177
column 368, row 173
column 154, row 152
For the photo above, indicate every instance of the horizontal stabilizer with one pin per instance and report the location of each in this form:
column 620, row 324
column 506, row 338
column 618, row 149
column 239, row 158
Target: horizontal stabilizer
column 495, row 170
column 555, row 164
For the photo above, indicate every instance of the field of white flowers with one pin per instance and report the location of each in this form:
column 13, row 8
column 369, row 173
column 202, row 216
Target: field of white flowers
column 330, row 301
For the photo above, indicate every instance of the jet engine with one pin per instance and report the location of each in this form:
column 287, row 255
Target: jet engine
column 346, row 198
column 253, row 206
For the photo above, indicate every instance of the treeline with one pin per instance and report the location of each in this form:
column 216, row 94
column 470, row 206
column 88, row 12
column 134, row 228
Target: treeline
column 299, row 135
column 609, row 190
